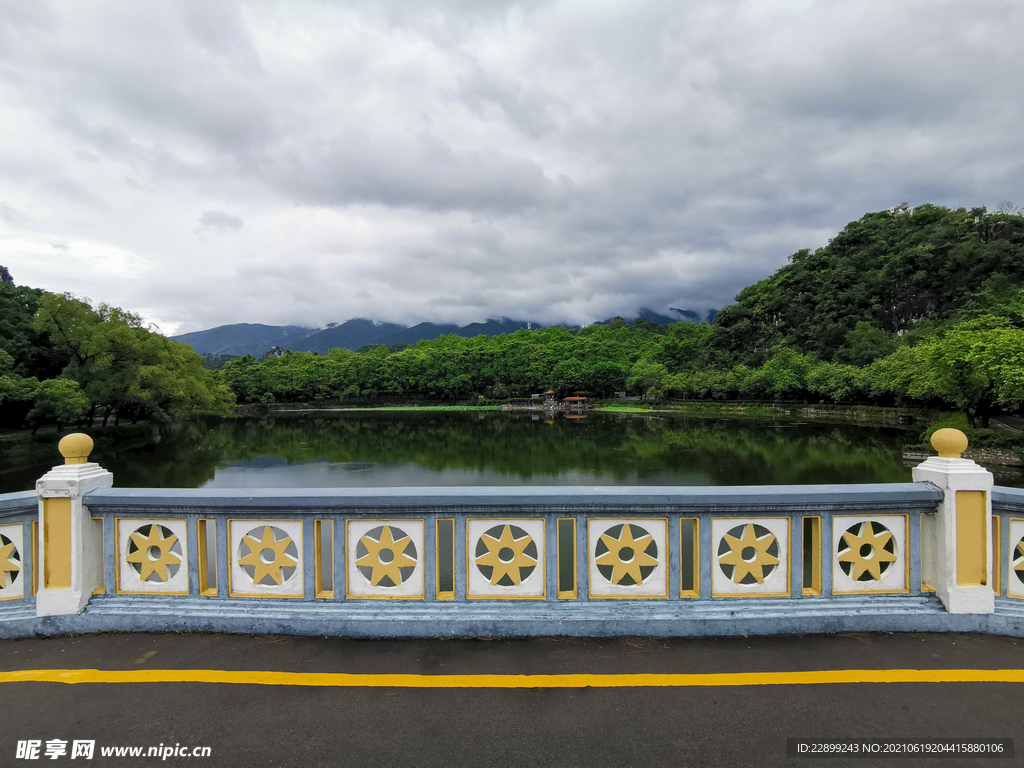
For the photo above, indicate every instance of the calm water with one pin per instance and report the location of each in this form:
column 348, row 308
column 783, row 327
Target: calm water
column 382, row 448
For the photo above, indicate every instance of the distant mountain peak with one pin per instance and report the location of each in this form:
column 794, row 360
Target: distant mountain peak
column 255, row 339
column 677, row 316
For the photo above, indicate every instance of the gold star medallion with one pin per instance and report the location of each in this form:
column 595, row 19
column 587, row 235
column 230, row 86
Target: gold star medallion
column 1018, row 564
column 276, row 549
column 512, row 549
column 387, row 556
column 626, row 555
column 9, row 569
column 143, row 554
column 867, row 551
column 758, row 558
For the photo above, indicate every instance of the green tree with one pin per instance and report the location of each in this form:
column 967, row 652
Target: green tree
column 783, row 376
column 838, row 383
column 31, row 350
column 122, row 367
column 16, row 394
column 59, row 401
column 865, row 344
column 976, row 366
column 173, row 382
column 647, row 378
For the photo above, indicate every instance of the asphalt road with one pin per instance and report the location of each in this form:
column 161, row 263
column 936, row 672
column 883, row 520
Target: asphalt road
column 272, row 725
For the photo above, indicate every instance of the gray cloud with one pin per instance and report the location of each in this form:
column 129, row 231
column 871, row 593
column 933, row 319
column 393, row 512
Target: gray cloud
column 421, row 171
column 220, row 220
column 454, row 159
column 8, row 214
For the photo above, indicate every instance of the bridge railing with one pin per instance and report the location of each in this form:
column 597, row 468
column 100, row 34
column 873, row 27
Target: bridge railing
column 548, row 544
column 555, row 553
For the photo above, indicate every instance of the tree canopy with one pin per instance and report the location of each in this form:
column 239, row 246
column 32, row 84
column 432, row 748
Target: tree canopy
column 123, row 368
column 64, row 361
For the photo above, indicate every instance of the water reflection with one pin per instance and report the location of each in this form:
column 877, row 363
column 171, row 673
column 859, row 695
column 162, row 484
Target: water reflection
column 324, row 474
column 387, row 448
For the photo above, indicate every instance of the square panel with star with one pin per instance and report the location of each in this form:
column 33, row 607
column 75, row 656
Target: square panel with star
column 750, row 556
column 628, row 557
column 152, row 556
column 12, row 561
column 869, row 554
column 1015, row 577
column 505, row 558
column 265, row 558
column 384, row 559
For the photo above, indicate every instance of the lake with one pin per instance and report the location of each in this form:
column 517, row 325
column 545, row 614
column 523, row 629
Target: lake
column 325, row 449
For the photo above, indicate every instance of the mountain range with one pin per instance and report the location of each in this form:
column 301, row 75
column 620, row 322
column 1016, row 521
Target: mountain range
column 255, row 339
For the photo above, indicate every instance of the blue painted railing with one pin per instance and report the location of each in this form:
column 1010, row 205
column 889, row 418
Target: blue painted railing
column 18, row 530
column 550, row 504
column 1008, row 541
column 644, row 561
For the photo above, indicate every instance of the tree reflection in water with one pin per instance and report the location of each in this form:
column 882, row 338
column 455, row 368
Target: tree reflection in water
column 393, row 448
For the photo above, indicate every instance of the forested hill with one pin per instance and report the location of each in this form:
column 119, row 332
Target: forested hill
column 897, row 270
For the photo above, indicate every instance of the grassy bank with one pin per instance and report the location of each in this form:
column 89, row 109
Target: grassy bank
column 728, row 410
column 854, row 414
column 357, row 408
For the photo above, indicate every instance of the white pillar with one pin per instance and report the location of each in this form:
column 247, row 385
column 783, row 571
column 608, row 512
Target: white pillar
column 70, row 555
column 956, row 543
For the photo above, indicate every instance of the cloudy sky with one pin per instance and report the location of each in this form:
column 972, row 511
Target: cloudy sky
column 205, row 162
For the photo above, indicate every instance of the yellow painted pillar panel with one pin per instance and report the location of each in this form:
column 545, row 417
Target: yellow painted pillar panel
column 57, row 543
column 971, row 539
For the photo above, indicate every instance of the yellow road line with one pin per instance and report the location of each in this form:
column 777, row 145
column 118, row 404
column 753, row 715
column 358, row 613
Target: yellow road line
column 341, row 680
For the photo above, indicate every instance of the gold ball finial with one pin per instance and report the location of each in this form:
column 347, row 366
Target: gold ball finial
column 949, row 443
column 75, row 448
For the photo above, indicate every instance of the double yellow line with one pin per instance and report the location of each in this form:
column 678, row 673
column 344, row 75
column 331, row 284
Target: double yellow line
column 344, row 680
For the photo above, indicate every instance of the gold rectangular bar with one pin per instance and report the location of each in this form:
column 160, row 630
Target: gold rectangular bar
column 35, row 557
column 971, row 539
column 997, row 556
column 444, row 557
column 57, row 543
column 925, row 586
column 812, row 555
column 566, row 543
column 323, row 561
column 689, row 557
column 207, row 565
column 102, row 588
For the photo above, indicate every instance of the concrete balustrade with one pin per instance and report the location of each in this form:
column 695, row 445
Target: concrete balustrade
column 71, row 544
column 944, row 553
column 958, row 540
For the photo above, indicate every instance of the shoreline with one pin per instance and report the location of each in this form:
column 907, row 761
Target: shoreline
column 18, row 443
column 906, row 418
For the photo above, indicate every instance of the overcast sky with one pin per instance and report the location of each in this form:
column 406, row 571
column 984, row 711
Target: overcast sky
column 204, row 162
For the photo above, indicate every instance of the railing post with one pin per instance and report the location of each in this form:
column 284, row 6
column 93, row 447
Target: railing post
column 70, row 553
column 960, row 535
